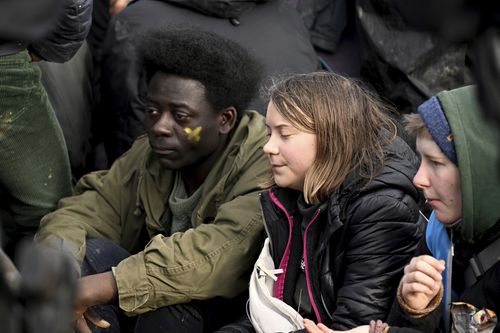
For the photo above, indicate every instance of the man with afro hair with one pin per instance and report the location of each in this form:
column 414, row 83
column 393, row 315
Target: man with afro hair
column 169, row 233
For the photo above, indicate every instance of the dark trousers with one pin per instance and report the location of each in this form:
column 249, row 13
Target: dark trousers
column 196, row 316
column 34, row 164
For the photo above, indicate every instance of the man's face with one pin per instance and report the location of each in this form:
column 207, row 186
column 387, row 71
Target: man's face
column 182, row 127
column 439, row 179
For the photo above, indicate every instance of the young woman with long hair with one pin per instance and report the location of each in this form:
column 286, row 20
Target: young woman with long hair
column 340, row 209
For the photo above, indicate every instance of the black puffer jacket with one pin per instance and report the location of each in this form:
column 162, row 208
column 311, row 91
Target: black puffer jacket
column 357, row 246
column 55, row 30
column 220, row 8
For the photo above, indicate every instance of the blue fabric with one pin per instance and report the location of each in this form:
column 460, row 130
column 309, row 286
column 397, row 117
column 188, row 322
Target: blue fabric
column 436, row 123
column 438, row 242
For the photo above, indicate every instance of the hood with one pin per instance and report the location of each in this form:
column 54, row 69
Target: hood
column 400, row 166
column 476, row 144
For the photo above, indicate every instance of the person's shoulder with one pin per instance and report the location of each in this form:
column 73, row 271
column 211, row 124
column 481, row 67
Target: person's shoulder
column 135, row 158
column 140, row 148
column 391, row 197
column 250, row 131
column 400, row 158
column 253, row 119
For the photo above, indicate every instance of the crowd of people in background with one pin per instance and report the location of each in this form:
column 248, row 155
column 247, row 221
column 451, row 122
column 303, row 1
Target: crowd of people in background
column 200, row 166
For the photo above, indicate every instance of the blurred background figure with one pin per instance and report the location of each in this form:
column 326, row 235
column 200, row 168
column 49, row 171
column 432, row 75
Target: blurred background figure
column 35, row 173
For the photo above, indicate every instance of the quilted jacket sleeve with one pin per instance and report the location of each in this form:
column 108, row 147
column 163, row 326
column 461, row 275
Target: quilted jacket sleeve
column 381, row 238
column 69, row 32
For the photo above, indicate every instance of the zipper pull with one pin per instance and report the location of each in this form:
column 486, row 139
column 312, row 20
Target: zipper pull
column 268, row 272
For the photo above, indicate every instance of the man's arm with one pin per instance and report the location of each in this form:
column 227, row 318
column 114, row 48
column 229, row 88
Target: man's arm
column 210, row 260
column 97, row 208
column 207, row 261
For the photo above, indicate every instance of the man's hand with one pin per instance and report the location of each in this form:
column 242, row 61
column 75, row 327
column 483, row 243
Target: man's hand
column 93, row 290
column 35, row 57
column 116, row 6
column 421, row 281
column 311, row 327
column 81, row 325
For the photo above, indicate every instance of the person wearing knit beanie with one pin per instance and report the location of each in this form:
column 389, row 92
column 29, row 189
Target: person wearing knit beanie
column 436, row 123
column 458, row 260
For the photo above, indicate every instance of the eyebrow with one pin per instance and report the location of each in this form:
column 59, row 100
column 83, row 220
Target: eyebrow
column 176, row 104
column 280, row 126
column 432, row 156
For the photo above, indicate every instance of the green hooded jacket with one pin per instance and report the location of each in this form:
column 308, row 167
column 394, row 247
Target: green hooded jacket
column 211, row 259
column 477, row 143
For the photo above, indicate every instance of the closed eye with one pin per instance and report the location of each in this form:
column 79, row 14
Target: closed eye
column 436, row 163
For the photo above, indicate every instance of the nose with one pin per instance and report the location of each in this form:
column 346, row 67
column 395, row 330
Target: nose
column 270, row 147
column 163, row 125
column 421, row 178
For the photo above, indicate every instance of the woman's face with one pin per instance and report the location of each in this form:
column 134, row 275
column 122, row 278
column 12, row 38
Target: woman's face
column 290, row 150
column 439, row 179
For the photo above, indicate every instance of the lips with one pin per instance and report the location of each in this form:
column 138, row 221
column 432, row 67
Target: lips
column 162, row 150
column 432, row 202
column 276, row 166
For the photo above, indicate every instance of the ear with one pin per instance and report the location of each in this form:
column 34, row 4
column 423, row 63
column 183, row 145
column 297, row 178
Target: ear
column 227, row 119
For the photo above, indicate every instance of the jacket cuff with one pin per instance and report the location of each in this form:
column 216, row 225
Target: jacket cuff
column 433, row 304
column 134, row 289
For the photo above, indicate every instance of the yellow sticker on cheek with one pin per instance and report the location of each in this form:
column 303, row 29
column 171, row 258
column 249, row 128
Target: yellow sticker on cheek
column 193, row 134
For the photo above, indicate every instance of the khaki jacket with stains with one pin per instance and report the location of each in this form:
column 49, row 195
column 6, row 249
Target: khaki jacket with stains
column 123, row 203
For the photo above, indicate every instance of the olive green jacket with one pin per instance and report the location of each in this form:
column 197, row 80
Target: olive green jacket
column 211, row 259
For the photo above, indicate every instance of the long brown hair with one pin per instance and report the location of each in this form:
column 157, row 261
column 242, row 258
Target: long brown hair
column 351, row 125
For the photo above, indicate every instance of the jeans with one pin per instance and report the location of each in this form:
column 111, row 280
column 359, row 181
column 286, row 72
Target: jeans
column 196, row 316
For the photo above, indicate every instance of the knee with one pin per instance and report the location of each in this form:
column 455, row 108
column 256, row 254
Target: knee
column 101, row 255
column 173, row 318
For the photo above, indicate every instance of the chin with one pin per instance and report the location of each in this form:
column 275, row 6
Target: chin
column 447, row 219
column 278, row 183
column 169, row 165
column 281, row 183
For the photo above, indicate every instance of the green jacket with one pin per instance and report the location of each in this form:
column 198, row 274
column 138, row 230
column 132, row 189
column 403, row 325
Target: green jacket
column 476, row 142
column 211, row 259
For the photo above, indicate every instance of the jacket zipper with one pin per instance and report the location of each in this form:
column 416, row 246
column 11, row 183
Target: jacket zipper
column 306, row 264
column 279, row 285
column 447, row 296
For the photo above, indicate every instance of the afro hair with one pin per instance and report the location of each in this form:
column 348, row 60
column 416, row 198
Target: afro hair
column 229, row 73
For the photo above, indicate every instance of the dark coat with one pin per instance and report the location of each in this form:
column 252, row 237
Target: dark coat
column 56, row 38
column 356, row 248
